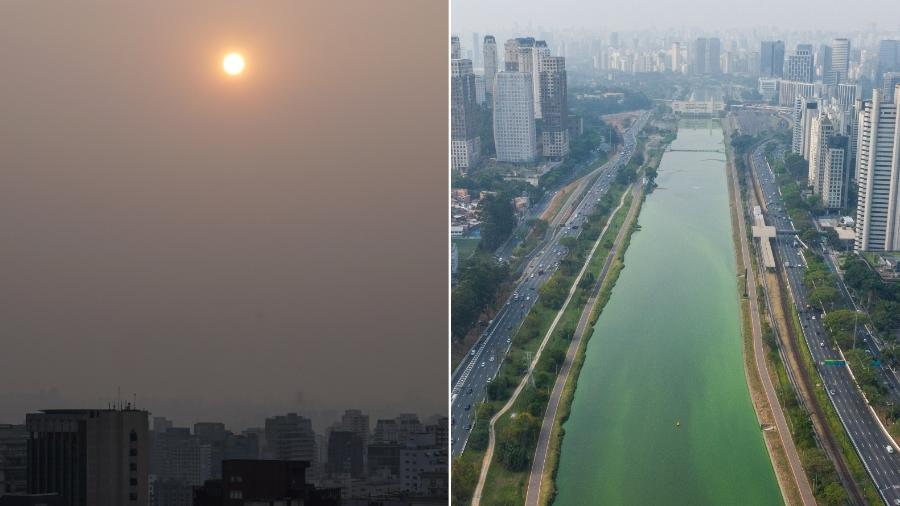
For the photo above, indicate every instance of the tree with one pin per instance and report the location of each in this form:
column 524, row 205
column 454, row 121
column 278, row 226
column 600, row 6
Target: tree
column 498, row 218
column 553, row 293
column 823, row 295
column 464, row 478
column 516, row 440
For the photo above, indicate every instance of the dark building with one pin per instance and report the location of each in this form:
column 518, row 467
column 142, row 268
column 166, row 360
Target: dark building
column 32, row 500
column 214, row 435
column 555, row 107
column 91, row 457
column 13, row 458
column 383, row 458
column 254, row 482
column 771, row 58
column 346, row 454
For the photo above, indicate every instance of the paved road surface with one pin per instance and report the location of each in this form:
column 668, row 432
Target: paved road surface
column 868, row 436
column 480, row 366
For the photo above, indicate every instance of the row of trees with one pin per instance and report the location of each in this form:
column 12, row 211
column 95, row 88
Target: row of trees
column 477, row 284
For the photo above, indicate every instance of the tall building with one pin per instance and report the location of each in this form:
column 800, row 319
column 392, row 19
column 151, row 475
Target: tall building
column 554, row 102
column 476, row 53
column 699, row 56
column 713, row 56
column 291, row 437
column 834, row 172
column 514, row 130
column 823, row 60
column 357, row 422
column 889, row 80
column 13, row 458
column 539, row 53
column 490, row 65
column 92, row 457
column 455, row 48
column 821, row 129
column 888, row 56
column 799, row 66
column 675, row 56
column 797, row 123
column 878, row 173
column 845, row 94
column 771, row 58
column 840, row 60
column 465, row 144
column 810, row 112
column 346, row 453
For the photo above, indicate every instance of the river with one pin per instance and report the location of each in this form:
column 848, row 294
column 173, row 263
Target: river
column 667, row 349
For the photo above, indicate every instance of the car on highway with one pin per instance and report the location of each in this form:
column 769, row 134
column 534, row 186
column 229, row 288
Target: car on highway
column 482, row 364
column 468, row 407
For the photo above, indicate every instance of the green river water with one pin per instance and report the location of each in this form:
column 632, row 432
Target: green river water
column 667, row 348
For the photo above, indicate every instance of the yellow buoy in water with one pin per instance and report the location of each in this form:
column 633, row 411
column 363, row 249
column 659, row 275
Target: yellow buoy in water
column 678, row 423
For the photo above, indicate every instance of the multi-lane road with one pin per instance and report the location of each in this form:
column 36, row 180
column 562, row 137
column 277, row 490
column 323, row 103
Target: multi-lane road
column 481, row 364
column 874, row 446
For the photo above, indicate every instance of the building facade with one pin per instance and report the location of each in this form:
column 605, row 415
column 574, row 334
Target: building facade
column 878, row 171
column 465, row 144
column 90, row 457
column 514, row 130
column 554, row 102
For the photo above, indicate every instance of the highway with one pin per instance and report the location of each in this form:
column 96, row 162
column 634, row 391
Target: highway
column 470, row 379
column 869, row 438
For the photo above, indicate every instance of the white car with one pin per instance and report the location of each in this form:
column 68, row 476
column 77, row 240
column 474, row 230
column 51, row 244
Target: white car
column 889, row 448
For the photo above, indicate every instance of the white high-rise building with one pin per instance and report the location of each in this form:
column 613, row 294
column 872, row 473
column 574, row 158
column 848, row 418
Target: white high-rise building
column 834, row 173
column 490, row 63
column 514, row 130
column 878, row 169
column 840, row 60
column 821, row 129
column 810, row 112
column 797, row 120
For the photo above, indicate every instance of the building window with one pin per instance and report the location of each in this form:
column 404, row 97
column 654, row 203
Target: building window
column 132, row 452
column 133, row 482
column 132, row 496
column 132, row 467
column 132, row 436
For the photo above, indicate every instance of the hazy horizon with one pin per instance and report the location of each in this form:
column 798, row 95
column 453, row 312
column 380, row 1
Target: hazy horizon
column 224, row 248
column 708, row 15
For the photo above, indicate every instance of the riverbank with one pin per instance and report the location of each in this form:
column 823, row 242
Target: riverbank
column 792, row 480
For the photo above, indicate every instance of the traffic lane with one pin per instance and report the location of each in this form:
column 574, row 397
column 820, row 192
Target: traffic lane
column 867, row 436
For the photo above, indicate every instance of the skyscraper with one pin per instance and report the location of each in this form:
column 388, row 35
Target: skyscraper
column 889, row 80
column 698, row 56
column 799, row 65
column 476, row 53
column 514, row 130
column 92, row 457
column 771, row 58
column 455, row 48
column 554, row 102
column 713, row 56
column 821, row 129
column 465, row 144
column 834, row 172
column 490, row 65
column 797, row 121
column 291, row 437
column 878, row 169
column 888, row 56
column 840, row 60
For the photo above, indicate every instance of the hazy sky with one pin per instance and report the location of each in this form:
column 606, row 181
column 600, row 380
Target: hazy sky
column 477, row 15
column 223, row 248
